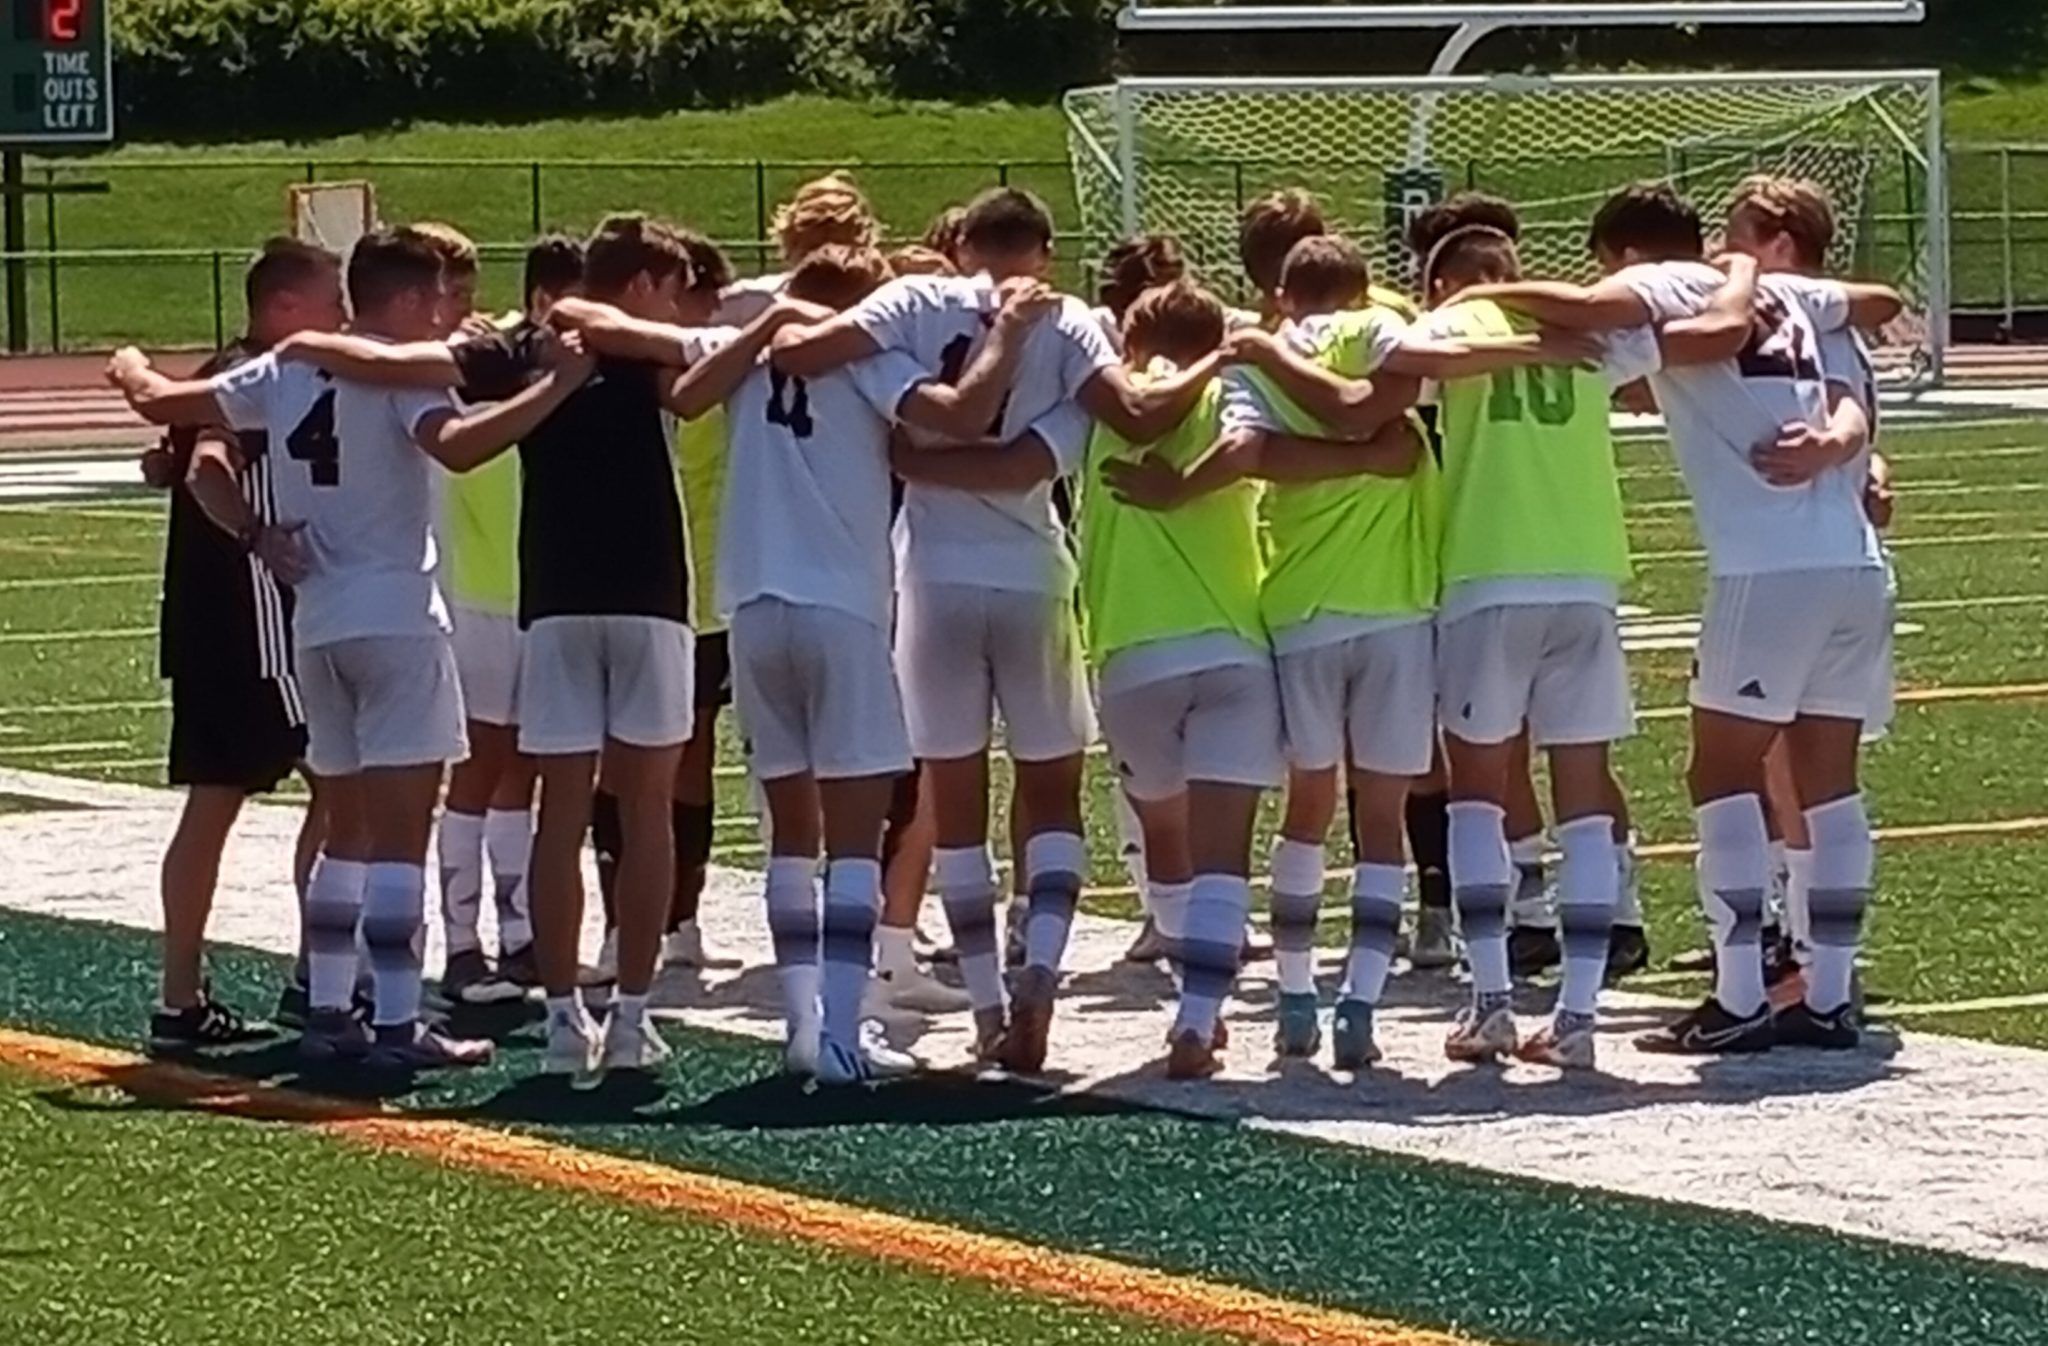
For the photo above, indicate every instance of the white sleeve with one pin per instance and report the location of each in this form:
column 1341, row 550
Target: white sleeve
column 1244, row 408
column 1085, row 349
column 1630, row 353
column 1065, row 430
column 889, row 315
column 1384, row 333
column 884, row 380
column 244, row 392
column 1842, row 361
column 413, row 405
column 699, row 343
column 1666, row 295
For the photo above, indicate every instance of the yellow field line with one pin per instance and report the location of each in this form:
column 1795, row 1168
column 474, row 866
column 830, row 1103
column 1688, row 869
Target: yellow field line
column 1181, row 1302
column 1911, row 696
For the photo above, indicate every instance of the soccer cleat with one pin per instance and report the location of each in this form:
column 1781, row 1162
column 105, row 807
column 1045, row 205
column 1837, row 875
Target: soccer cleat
column 1298, row 1031
column 1025, row 1045
column 1436, row 944
column 1711, row 1030
column 684, row 947
column 1149, row 947
column 1533, row 950
column 914, row 991
column 206, row 1023
column 606, row 971
column 1188, row 1057
column 470, row 980
column 1628, row 952
column 869, row 1063
column 521, row 967
column 1799, row 1025
column 800, row 1054
column 1486, row 1036
column 575, row 1048
column 333, row 1035
column 414, row 1046
column 634, row 1045
column 884, row 1061
column 1352, row 1043
column 1565, row 1046
column 991, row 1027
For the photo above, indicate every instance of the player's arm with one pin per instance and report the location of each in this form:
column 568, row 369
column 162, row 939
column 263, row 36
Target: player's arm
column 969, row 407
column 1150, row 482
column 1602, row 307
column 1800, row 453
column 409, row 364
column 1719, row 331
column 158, row 399
column 1142, row 414
column 1872, row 306
column 1441, row 360
column 610, row 331
column 711, row 382
column 1395, row 451
column 1347, row 406
column 463, row 443
column 983, row 466
column 214, row 481
column 813, row 349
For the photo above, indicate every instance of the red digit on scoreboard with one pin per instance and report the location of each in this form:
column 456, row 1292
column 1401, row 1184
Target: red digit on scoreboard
column 61, row 20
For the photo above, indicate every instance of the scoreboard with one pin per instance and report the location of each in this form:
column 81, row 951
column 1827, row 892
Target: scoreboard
column 57, row 64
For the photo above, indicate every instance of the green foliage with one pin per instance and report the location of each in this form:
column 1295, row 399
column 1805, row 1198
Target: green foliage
column 290, row 65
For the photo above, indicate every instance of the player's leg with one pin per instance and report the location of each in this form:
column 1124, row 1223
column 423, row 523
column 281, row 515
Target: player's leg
column 332, row 919
column 1428, row 822
column 1313, row 685
column 294, row 1000
column 694, row 811
column 909, row 834
column 459, row 847
column 1532, row 916
column 190, row 874
column 795, row 913
column 1781, row 798
column 508, row 849
column 1628, row 946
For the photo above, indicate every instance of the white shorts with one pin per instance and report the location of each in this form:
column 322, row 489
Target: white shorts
column 487, row 660
column 583, row 680
column 1558, row 667
column 1800, row 642
column 1374, row 694
column 963, row 652
column 1221, row 726
column 816, row 692
column 381, row 701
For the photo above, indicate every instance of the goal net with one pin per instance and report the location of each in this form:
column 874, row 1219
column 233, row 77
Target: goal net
column 332, row 215
column 1185, row 155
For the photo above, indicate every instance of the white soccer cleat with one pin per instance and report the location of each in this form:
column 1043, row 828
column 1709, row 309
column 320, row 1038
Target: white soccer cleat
column 634, row 1044
column 576, row 1049
column 1566, row 1049
column 684, row 947
column 874, row 1060
column 885, row 1062
column 916, row 991
column 1477, row 1037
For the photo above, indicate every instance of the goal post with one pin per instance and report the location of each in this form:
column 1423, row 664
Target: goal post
column 1184, row 155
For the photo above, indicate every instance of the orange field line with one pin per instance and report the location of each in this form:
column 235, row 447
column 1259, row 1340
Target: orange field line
column 1180, row 1302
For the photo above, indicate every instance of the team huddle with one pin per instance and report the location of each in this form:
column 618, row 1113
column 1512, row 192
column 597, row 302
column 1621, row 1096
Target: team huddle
column 1361, row 549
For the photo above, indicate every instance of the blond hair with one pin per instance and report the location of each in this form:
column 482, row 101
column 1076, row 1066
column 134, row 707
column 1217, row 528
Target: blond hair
column 838, row 275
column 830, row 209
column 1798, row 208
column 918, row 260
column 457, row 251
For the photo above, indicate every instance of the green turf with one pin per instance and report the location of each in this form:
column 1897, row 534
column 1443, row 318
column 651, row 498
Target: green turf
column 699, row 166
column 128, row 1223
column 1493, row 1256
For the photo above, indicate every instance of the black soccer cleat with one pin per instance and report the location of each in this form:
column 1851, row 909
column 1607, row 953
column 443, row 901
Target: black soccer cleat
column 1711, row 1030
column 207, row 1023
column 1628, row 952
column 1532, row 951
column 1827, row 1030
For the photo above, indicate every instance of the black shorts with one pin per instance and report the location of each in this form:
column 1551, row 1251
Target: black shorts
column 233, row 733
column 712, row 683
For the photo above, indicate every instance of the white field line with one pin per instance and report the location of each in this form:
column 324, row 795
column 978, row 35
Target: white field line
column 66, row 582
column 1910, row 696
column 63, row 637
column 1966, row 540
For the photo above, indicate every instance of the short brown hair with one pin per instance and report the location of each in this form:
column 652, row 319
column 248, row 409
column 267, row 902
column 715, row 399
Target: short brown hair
column 918, row 260
column 710, row 269
column 285, row 265
column 386, row 263
column 458, row 253
column 629, row 245
column 826, row 210
column 838, row 276
column 1799, row 208
column 1477, row 254
column 1179, row 320
column 1269, row 229
column 1433, row 224
column 1136, row 265
column 1325, row 272
column 942, row 235
column 1006, row 221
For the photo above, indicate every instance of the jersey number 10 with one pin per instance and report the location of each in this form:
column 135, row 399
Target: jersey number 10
column 1546, row 394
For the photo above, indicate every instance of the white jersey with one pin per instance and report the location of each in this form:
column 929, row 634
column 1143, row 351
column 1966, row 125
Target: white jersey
column 344, row 463
column 997, row 541
column 807, row 488
column 1720, row 414
column 745, row 300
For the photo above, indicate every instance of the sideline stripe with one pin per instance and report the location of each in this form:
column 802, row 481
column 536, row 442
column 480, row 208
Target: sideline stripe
column 1177, row 1301
column 2035, row 1000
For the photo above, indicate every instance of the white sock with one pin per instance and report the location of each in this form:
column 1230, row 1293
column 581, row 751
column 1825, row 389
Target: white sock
column 1534, row 909
column 629, row 1008
column 394, row 912
column 966, row 879
column 1217, row 907
column 1844, row 859
column 1297, row 869
column 853, row 901
column 1798, row 911
column 793, row 925
column 1481, row 876
column 1376, row 895
column 508, row 842
column 460, row 847
column 334, row 910
column 1169, row 904
column 1735, row 872
column 1053, row 865
column 895, row 951
column 1586, row 882
column 1628, row 900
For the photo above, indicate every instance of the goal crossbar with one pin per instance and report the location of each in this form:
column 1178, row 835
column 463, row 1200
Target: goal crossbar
column 1183, row 17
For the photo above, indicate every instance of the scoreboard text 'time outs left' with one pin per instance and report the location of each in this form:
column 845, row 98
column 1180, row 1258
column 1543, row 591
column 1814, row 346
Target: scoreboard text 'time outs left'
column 58, row 70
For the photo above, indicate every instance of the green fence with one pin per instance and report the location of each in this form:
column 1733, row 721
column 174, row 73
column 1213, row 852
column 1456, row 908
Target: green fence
column 90, row 286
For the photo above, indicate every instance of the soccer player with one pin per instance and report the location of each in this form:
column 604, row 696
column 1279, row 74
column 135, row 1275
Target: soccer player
column 1139, row 263
column 828, row 210
column 1535, row 552
column 237, row 726
column 1795, row 610
column 489, row 808
column 985, row 582
column 808, row 581
column 357, row 488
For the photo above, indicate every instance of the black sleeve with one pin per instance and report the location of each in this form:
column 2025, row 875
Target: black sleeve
column 493, row 368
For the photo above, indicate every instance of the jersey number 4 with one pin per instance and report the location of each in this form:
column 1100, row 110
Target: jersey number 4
column 789, row 404
column 314, row 443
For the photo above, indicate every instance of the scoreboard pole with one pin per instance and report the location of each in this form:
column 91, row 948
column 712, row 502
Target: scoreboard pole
column 13, row 188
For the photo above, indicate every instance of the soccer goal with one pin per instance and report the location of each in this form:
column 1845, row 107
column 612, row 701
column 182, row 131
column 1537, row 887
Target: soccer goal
column 1185, row 155
column 331, row 214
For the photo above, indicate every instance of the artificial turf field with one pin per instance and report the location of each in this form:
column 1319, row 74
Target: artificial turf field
column 118, row 1198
